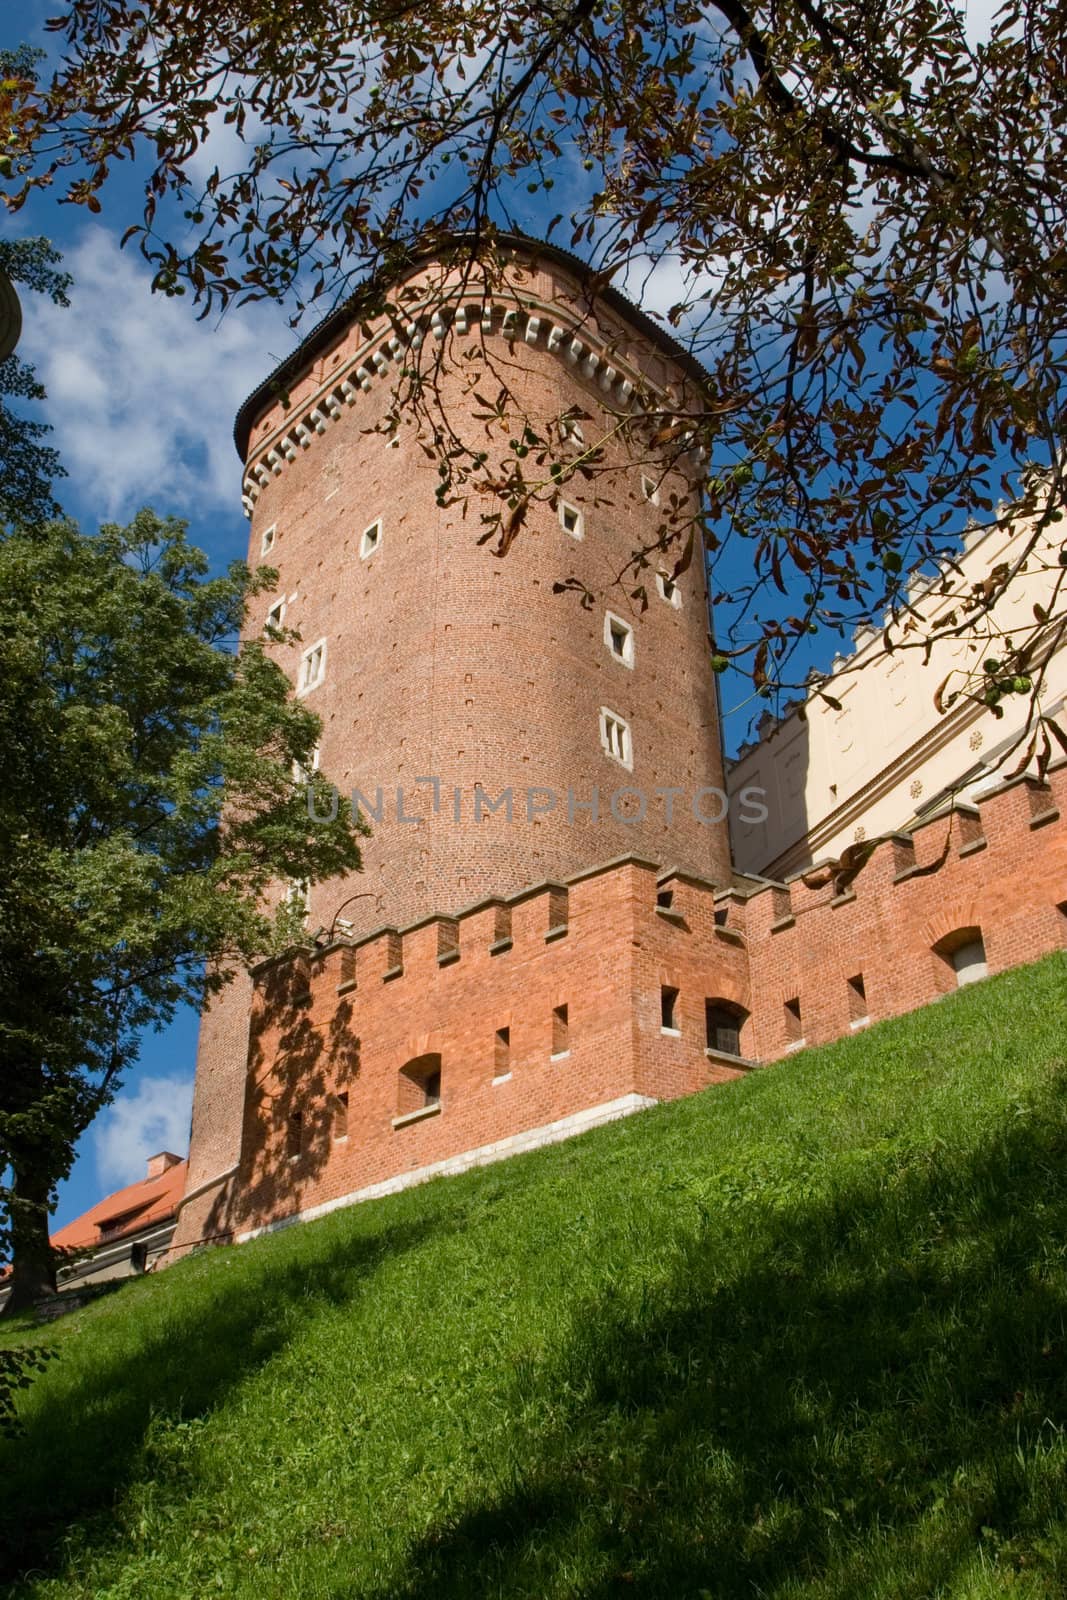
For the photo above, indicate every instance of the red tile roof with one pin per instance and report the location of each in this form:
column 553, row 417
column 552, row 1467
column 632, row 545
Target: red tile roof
column 125, row 1212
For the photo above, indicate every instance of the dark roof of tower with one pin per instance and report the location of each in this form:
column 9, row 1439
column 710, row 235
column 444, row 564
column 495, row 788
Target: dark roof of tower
column 325, row 332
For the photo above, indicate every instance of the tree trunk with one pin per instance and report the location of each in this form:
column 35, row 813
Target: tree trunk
column 34, row 1274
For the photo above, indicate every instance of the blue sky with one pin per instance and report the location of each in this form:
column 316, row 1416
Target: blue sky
column 142, row 398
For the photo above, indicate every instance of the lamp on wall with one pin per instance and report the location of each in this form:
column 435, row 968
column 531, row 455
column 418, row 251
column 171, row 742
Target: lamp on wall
column 10, row 316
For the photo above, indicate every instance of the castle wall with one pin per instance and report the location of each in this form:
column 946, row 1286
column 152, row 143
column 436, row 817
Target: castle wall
column 350, row 1019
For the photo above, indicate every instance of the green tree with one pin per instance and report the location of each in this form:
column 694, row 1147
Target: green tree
column 27, row 466
column 148, row 812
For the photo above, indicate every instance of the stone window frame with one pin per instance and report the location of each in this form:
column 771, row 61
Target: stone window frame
column 609, row 719
column 613, row 623
column 314, row 653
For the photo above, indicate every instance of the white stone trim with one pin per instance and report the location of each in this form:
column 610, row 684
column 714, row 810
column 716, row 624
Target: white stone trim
column 483, row 1156
column 437, row 315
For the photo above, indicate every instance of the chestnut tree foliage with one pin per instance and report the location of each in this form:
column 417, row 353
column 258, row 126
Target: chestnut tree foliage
column 865, row 205
column 148, row 808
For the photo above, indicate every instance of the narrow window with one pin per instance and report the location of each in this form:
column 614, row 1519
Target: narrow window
column 969, row 962
column 857, row 999
column 615, row 737
column 502, row 1053
column 266, row 544
column 665, row 898
column 138, row 1257
column 619, row 638
column 668, row 589
column 649, row 489
column 721, row 915
column 302, row 774
column 312, row 667
column 794, row 1031
column 296, row 895
column 294, row 1134
column 276, row 615
column 419, row 1085
column 340, row 1115
column 963, row 953
column 571, row 520
column 370, row 541
column 560, row 1032
column 723, row 1023
column 668, row 1010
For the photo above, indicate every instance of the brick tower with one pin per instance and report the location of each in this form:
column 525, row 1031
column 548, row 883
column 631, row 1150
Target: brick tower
column 450, row 677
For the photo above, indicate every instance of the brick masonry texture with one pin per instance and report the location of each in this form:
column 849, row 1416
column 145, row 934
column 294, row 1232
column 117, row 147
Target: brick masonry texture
column 355, row 1019
column 445, row 660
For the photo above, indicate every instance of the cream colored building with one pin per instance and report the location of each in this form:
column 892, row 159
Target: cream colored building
column 887, row 755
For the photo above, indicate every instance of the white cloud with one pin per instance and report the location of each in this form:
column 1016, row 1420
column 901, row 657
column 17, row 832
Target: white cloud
column 141, row 396
column 154, row 1116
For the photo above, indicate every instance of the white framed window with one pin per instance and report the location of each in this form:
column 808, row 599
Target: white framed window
column 302, row 774
column 667, row 589
column 649, row 489
column 276, row 615
column 296, row 896
column 571, row 520
column 615, row 737
column 267, row 542
column 371, row 541
column 312, row 667
column 619, row 638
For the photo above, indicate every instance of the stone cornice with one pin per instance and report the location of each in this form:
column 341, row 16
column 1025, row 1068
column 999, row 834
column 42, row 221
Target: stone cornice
column 528, row 317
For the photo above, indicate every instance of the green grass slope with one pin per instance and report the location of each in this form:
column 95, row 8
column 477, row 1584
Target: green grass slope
column 800, row 1336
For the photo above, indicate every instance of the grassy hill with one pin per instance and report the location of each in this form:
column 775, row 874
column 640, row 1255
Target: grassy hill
column 805, row 1335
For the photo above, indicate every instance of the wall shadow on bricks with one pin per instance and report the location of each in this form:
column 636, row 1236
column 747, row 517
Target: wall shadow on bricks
column 86, row 1443
column 305, row 1064
column 901, row 1342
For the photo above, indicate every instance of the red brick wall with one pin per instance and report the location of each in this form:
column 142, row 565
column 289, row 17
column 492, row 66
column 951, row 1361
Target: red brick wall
column 1004, row 875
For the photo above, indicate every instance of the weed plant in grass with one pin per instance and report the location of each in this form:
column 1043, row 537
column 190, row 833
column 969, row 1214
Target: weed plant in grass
column 800, row 1336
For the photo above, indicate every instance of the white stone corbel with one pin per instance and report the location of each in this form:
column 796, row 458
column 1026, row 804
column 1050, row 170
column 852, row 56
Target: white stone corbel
column 459, row 321
column 590, row 364
column 626, row 389
column 275, row 462
column 607, row 377
column 396, row 346
column 487, row 317
column 509, row 325
column 302, row 436
column 287, row 448
column 318, row 420
column 437, row 325
column 261, row 475
column 574, row 350
column 363, row 378
column 533, row 328
column 380, row 359
column 555, row 337
column 415, row 335
column 247, row 506
column 350, row 392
